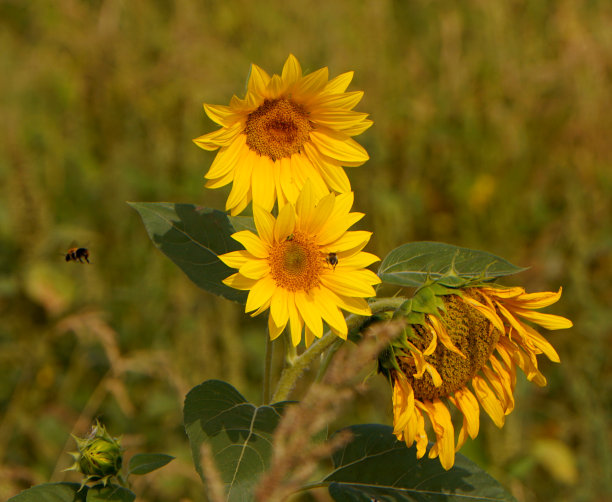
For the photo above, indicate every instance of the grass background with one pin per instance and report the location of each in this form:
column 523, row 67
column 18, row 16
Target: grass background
column 492, row 130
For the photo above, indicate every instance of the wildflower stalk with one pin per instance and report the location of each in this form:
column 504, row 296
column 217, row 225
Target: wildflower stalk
column 290, row 375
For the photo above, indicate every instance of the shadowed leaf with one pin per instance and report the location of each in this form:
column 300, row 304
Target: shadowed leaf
column 417, row 263
column 375, row 466
column 52, row 492
column 238, row 433
column 192, row 237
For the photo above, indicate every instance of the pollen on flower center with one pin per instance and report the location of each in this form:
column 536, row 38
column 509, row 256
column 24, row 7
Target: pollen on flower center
column 295, row 263
column 278, row 128
column 471, row 332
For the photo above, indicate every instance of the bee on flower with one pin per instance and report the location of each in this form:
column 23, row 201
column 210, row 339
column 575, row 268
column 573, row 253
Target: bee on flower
column 284, row 267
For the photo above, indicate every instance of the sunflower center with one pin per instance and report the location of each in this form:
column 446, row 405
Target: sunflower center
column 471, row 332
column 278, row 128
column 295, row 263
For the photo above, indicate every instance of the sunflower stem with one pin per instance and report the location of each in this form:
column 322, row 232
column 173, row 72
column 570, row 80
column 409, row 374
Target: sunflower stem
column 327, row 359
column 290, row 375
column 267, row 369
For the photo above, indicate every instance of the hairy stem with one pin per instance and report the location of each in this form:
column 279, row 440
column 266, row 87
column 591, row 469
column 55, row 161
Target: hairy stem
column 291, row 374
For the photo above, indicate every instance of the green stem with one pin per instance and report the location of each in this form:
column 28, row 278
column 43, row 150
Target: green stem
column 290, row 374
column 267, row 369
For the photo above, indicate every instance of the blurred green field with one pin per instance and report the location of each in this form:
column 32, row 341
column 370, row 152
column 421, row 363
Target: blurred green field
column 492, row 130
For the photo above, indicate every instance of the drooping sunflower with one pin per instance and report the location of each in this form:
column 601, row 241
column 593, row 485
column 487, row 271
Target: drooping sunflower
column 477, row 340
column 305, row 266
column 287, row 129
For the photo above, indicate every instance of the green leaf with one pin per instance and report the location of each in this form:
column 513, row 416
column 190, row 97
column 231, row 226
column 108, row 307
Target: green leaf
column 110, row 493
column 238, row 433
column 374, row 465
column 192, row 237
column 418, row 263
column 143, row 463
column 52, row 492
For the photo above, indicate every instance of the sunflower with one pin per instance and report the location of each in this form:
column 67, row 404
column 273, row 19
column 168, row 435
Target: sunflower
column 287, row 129
column 305, row 266
column 479, row 338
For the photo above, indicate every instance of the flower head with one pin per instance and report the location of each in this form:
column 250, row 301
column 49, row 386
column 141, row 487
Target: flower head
column 479, row 338
column 288, row 128
column 305, row 266
column 99, row 457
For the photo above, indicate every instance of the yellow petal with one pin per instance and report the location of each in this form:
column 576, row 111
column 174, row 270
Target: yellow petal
column 311, row 84
column 227, row 158
column 353, row 240
column 258, row 80
column 548, row 321
column 335, row 177
column 356, row 130
column 242, row 183
column 488, row 401
column 338, row 146
column 288, row 184
column 222, row 115
column 295, row 321
column 279, row 307
column 308, row 310
column 264, row 192
column 220, row 182
column 274, row 329
column 235, row 259
column 359, row 260
column 220, row 137
column 339, row 84
column 345, row 101
column 260, row 294
column 264, row 222
column 403, row 404
column 330, row 312
column 252, row 243
column 336, row 226
column 487, row 311
column 255, row 269
column 349, row 283
column 538, row 300
column 320, row 215
column 305, row 206
column 238, row 281
column 275, row 88
column 445, row 432
column 337, row 119
column 285, row 223
column 308, row 336
column 292, row 71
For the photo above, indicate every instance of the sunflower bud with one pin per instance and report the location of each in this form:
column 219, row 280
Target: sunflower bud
column 99, row 457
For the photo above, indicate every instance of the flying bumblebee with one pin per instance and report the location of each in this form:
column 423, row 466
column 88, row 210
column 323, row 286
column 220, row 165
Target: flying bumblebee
column 77, row 254
column 332, row 260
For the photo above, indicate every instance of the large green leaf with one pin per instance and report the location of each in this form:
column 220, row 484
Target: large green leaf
column 110, row 493
column 72, row 492
column 238, row 433
column 192, row 237
column 52, row 492
column 417, row 263
column 374, row 465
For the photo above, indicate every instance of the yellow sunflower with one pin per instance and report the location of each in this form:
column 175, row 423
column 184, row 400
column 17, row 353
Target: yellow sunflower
column 484, row 337
column 305, row 266
column 287, row 129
